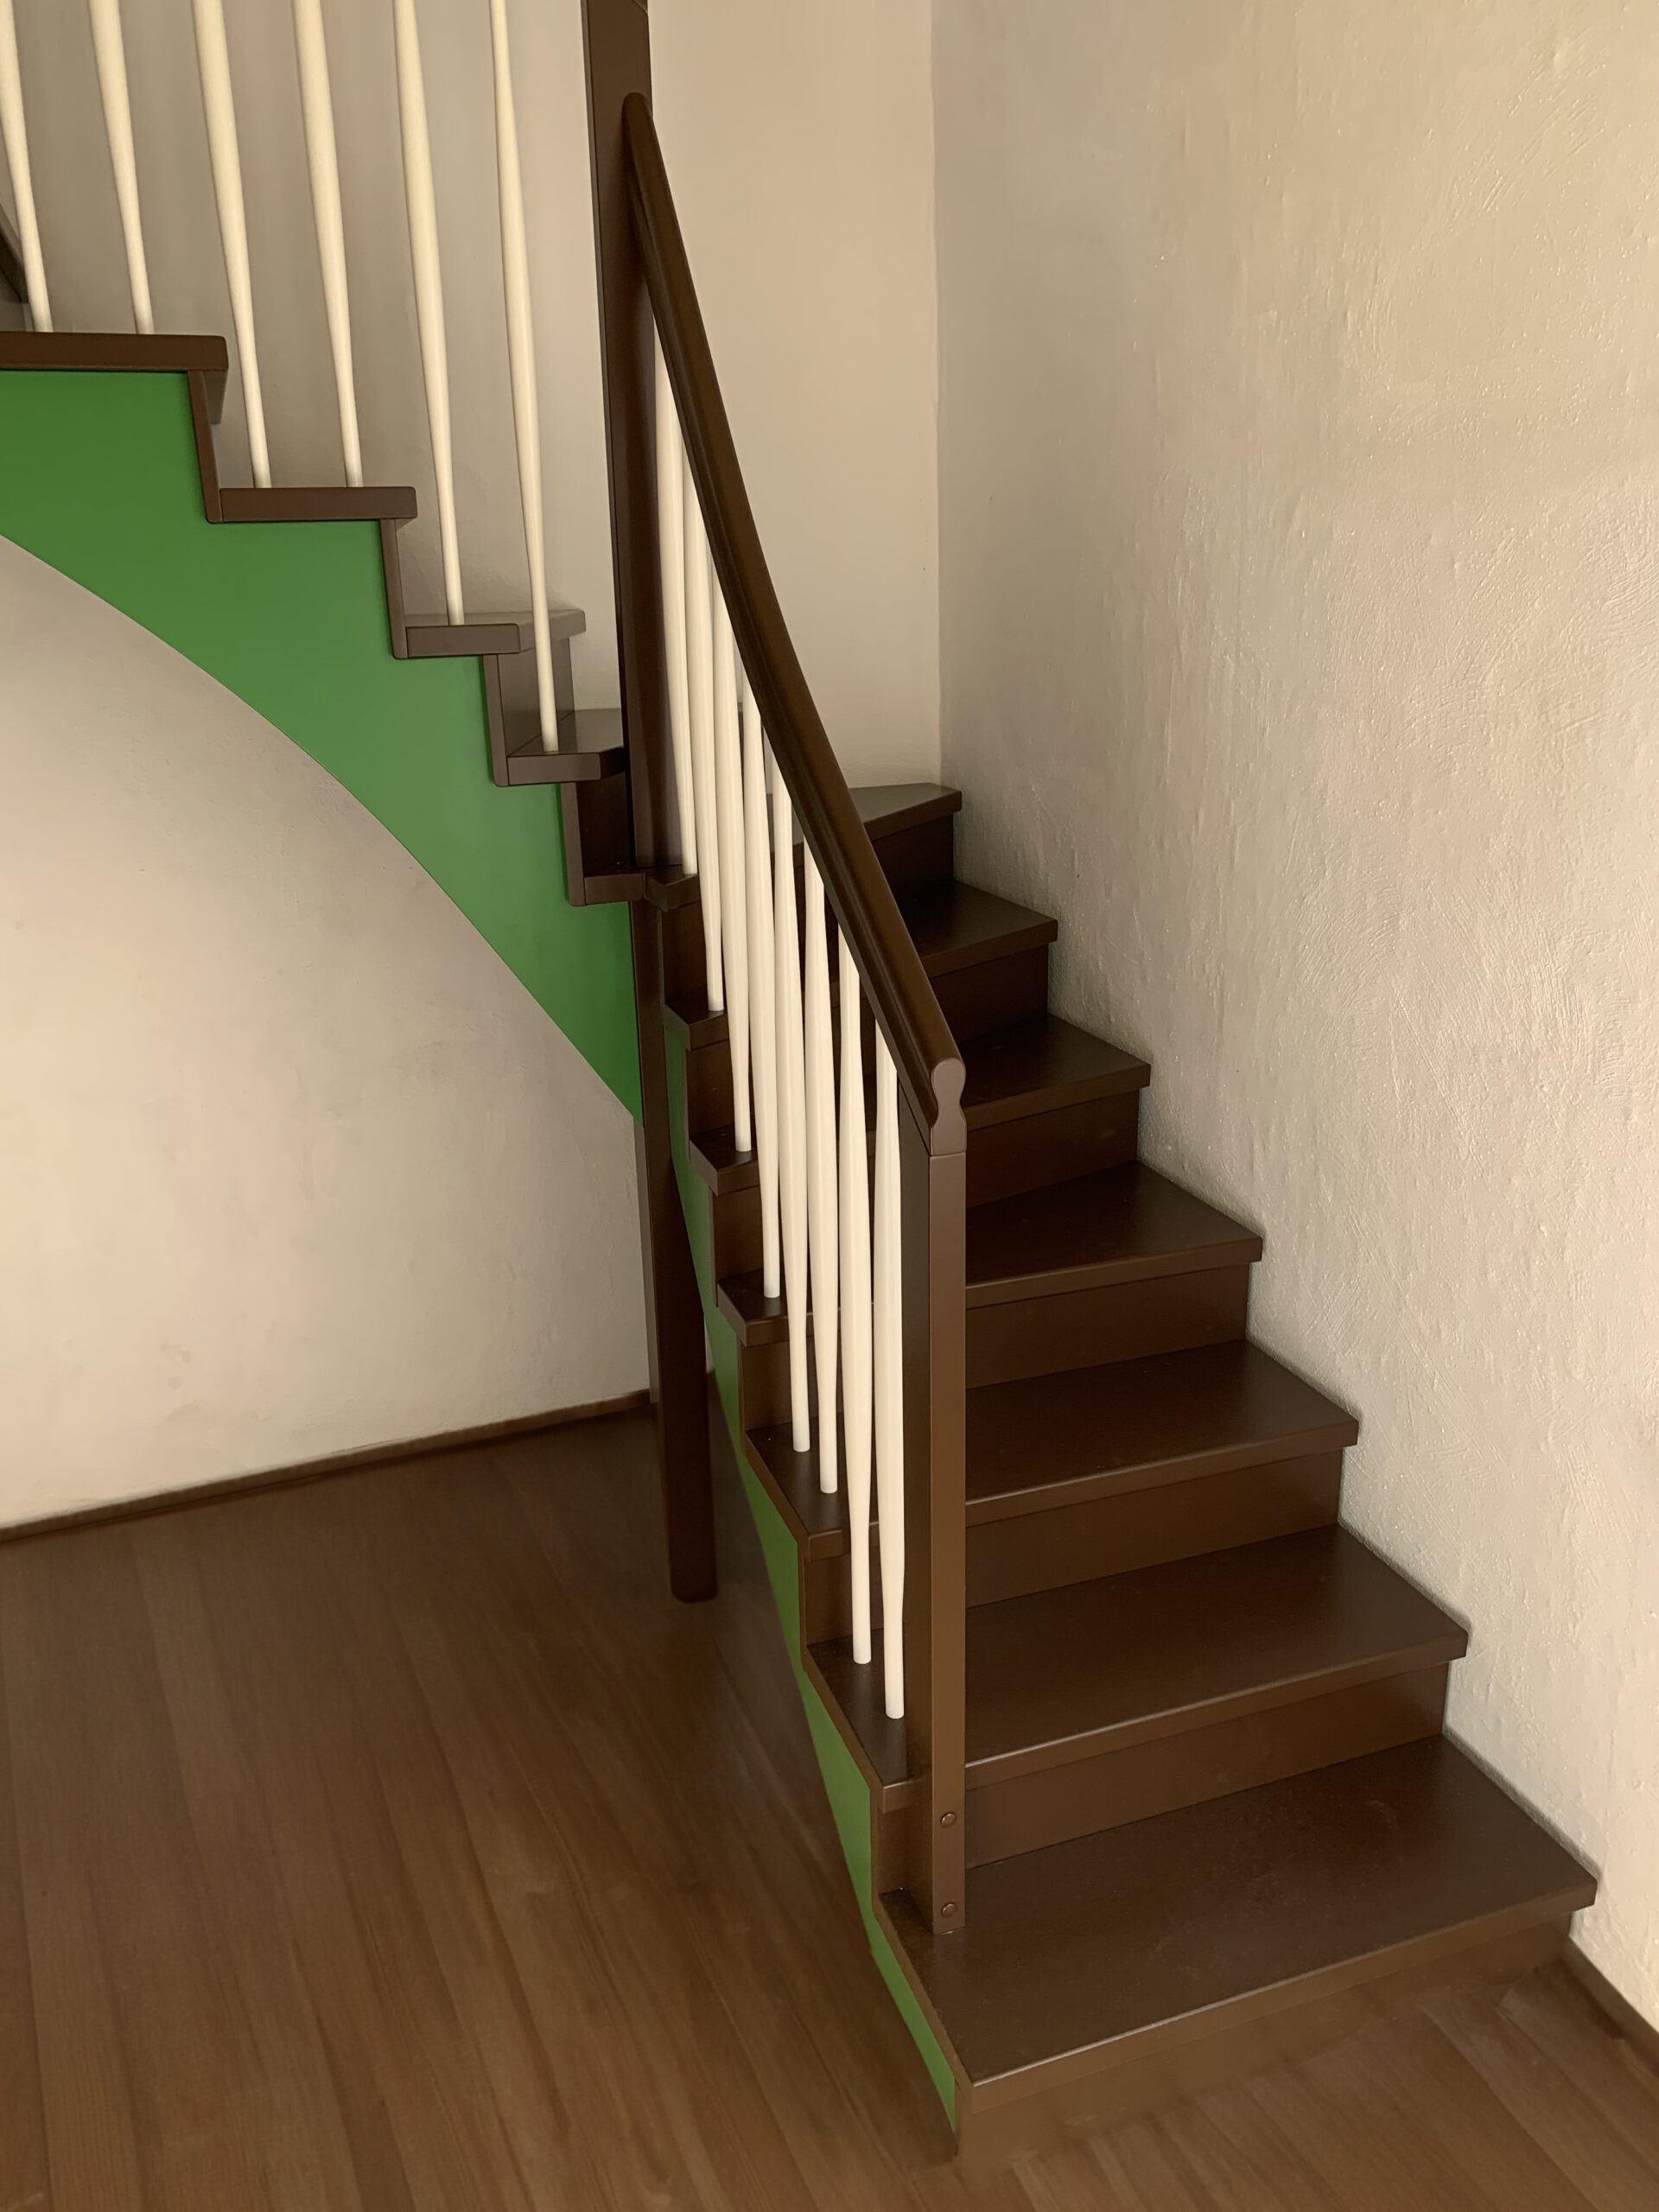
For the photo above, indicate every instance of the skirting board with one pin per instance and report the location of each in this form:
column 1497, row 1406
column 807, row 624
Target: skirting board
column 1636, row 2029
column 312, row 1471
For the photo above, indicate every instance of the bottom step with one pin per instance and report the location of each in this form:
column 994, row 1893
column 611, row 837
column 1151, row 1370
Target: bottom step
column 1081, row 1962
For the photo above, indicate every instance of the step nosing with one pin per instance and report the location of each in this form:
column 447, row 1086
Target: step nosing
column 1266, row 1693
column 1101, row 1274
column 1008, row 1502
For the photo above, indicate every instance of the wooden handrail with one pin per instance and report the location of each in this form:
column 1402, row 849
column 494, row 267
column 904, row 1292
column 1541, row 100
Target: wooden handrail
column 924, row 1052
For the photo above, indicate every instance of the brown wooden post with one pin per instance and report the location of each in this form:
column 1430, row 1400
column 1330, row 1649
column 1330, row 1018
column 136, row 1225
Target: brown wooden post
column 934, row 1217
column 617, row 42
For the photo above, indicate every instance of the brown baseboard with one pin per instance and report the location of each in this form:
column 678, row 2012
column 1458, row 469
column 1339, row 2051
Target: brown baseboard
column 312, row 1471
column 1634, row 2026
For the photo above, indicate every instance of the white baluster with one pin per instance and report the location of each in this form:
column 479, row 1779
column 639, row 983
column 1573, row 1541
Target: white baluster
column 763, row 989
column 823, row 1226
column 734, row 901
column 671, row 547
column 213, row 56
column 317, row 106
column 791, row 1108
column 23, row 180
column 428, row 285
column 521, row 364
column 888, row 1362
column 855, row 1384
column 700, row 679
column 111, row 56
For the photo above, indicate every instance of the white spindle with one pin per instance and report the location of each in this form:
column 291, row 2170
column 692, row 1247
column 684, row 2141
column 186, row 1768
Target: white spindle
column 763, row 989
column 521, row 364
column 22, row 181
column 700, row 679
column 213, row 56
column 823, row 1226
column 671, row 546
column 734, row 901
column 428, row 284
column 317, row 106
column 111, row 52
column 855, row 1400
column 888, row 1363
column 791, row 1108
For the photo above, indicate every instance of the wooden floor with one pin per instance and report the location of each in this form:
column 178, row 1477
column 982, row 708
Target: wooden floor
column 394, row 1844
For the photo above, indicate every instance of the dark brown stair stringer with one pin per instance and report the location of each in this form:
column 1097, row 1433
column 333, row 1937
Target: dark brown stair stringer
column 590, row 743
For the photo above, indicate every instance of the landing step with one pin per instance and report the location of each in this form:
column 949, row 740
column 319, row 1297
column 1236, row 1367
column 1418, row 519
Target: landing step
column 1081, row 1960
column 1125, row 1224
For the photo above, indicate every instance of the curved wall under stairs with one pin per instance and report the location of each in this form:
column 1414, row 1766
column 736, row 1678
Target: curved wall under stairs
column 290, row 1163
column 98, row 477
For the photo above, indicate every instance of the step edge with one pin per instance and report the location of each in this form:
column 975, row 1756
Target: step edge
column 1273, row 1695
column 885, row 1796
column 1243, row 1250
column 1029, row 936
column 1160, row 1474
column 1050, row 1098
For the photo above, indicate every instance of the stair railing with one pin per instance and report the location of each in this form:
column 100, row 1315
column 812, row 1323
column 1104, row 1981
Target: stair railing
column 732, row 767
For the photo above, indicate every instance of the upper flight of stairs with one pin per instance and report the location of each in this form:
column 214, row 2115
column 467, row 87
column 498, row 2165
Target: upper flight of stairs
column 1211, row 1812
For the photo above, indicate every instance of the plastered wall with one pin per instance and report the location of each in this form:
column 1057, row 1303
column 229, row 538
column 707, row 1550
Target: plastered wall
column 1299, row 590
column 289, row 1161
column 799, row 141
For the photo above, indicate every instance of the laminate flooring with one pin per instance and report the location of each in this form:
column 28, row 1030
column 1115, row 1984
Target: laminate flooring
column 394, row 1843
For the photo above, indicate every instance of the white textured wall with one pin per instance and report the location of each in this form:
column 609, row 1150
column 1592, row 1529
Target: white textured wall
column 1299, row 516
column 289, row 1163
column 799, row 141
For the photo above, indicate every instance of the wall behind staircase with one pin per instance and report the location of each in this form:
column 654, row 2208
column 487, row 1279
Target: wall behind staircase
column 289, row 1163
column 1300, row 517
column 799, row 141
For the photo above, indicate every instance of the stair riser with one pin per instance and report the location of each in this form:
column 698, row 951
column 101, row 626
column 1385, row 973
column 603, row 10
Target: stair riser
column 994, row 992
column 1090, row 1328
column 1038, row 1149
column 708, row 1088
column 1047, row 1549
column 1088, row 1795
column 923, row 854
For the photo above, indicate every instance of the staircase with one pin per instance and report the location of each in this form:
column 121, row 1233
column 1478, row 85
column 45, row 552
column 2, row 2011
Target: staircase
column 1210, row 1816
column 1163, row 1795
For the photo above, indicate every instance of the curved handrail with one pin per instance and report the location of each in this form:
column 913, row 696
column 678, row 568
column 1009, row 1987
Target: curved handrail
column 925, row 1053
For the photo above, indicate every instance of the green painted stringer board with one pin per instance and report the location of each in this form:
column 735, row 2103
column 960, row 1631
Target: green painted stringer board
column 849, row 1794
column 99, row 479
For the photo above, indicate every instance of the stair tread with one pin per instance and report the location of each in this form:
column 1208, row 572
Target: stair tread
column 1178, row 1414
column 1094, row 1667
column 1061, row 1674
column 1034, row 1066
column 885, row 808
column 1122, row 1224
column 1087, row 1946
column 956, row 926
column 1057, row 1440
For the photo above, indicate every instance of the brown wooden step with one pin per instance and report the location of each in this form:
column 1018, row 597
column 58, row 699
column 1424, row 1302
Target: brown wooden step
column 1104, row 1469
column 1077, row 1963
column 896, row 816
column 589, row 745
column 1020, row 1082
column 1046, row 1102
column 1072, row 1476
column 1120, row 1265
column 987, row 958
column 1112, row 1699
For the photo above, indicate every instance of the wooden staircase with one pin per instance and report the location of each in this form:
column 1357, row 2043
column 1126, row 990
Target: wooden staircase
column 1211, row 1815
